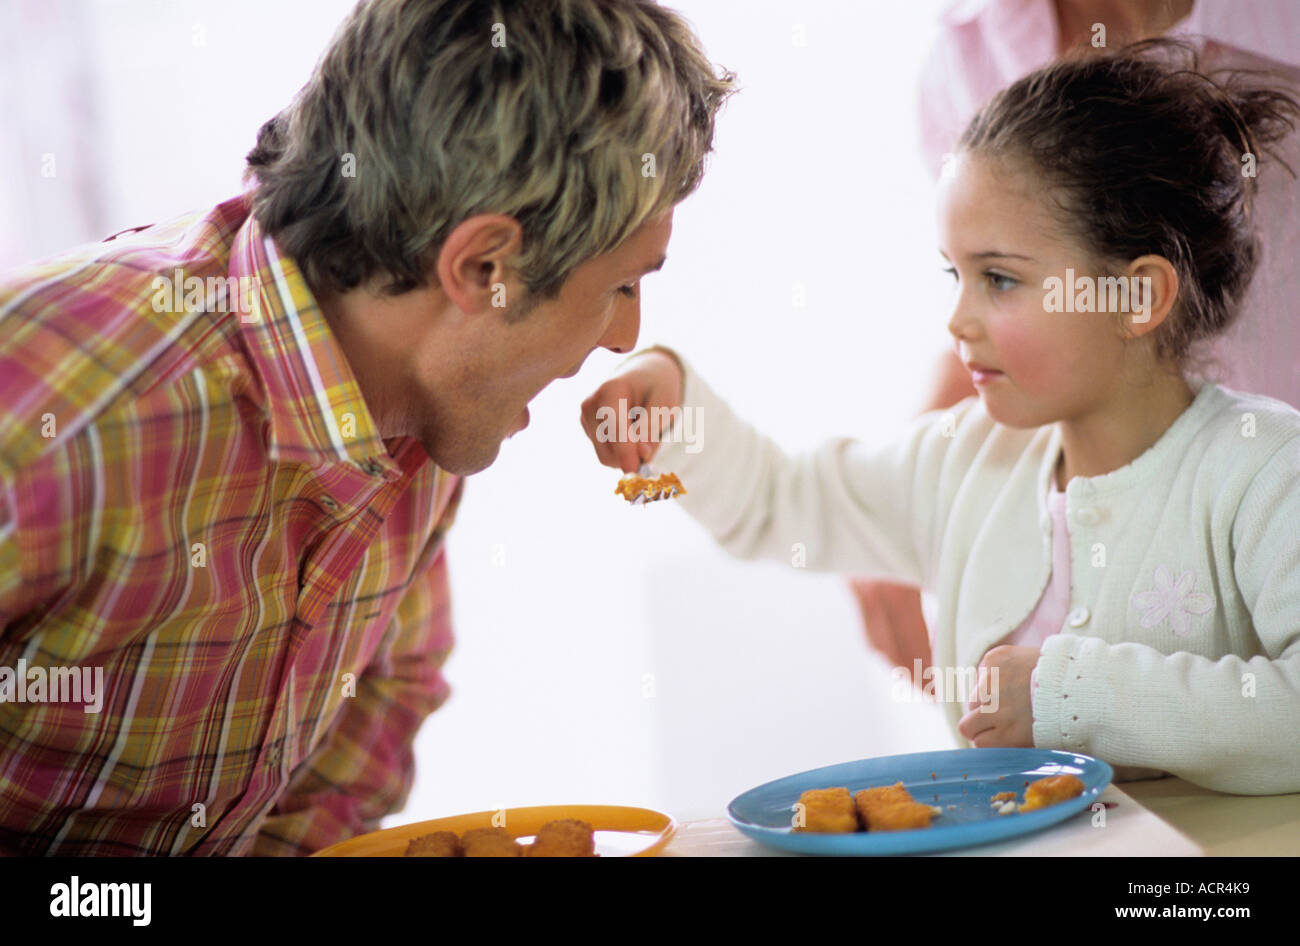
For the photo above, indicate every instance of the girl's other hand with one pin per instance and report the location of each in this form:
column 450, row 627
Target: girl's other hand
column 651, row 380
column 1011, row 724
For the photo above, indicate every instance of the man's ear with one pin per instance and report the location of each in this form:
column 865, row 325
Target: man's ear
column 472, row 262
column 1153, row 289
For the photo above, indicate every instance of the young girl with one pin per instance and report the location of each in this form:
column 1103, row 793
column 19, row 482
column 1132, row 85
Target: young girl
column 1118, row 538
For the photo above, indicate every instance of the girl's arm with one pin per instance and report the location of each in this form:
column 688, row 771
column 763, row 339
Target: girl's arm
column 840, row 507
column 1229, row 724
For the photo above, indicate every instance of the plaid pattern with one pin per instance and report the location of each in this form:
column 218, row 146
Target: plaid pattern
column 197, row 501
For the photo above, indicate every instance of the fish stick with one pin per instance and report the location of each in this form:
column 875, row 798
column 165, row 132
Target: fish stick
column 1050, row 791
column 490, row 842
column 438, row 844
column 828, row 811
column 564, row 837
column 891, row 808
column 900, row 816
column 882, row 795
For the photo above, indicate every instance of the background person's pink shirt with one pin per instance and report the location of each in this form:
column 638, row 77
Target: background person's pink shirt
column 984, row 45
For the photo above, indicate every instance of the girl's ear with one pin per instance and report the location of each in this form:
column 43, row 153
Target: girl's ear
column 1153, row 289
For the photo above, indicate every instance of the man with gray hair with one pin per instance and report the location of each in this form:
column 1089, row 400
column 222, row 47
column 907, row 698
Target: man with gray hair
column 231, row 444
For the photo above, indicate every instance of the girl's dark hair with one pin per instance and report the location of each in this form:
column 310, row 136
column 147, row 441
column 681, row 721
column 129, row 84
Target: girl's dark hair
column 1149, row 156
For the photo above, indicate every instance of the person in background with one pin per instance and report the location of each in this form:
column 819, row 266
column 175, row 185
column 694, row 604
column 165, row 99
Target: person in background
column 983, row 46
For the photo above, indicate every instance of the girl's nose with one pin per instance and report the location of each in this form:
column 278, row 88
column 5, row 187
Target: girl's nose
column 962, row 324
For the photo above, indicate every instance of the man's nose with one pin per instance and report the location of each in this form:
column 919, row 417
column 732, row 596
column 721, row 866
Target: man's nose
column 626, row 326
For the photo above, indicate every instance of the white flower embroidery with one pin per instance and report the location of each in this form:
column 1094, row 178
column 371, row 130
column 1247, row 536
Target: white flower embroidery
column 1174, row 600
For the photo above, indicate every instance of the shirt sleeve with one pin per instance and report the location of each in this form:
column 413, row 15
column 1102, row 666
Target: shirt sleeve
column 1227, row 724
column 14, row 592
column 842, row 507
column 365, row 767
column 36, row 564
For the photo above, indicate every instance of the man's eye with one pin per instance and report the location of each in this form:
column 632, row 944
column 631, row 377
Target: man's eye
column 1000, row 282
column 629, row 291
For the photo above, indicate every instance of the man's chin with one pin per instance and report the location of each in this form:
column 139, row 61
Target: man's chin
column 462, row 461
column 476, row 464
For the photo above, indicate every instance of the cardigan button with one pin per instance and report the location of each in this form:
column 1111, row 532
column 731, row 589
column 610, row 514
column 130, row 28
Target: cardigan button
column 1087, row 516
column 1079, row 617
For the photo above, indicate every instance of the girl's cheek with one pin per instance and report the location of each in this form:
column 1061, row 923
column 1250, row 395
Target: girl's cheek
column 1027, row 348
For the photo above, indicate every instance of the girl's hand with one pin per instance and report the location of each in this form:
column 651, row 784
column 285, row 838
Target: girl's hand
column 1012, row 723
column 648, row 381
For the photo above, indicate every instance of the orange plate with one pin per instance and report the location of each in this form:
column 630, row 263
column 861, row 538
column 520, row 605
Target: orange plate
column 620, row 832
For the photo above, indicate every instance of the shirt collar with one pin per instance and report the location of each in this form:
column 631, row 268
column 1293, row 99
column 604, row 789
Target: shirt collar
column 314, row 404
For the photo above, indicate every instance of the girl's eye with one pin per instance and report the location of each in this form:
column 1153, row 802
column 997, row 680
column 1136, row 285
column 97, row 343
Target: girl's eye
column 951, row 271
column 1000, row 282
column 629, row 291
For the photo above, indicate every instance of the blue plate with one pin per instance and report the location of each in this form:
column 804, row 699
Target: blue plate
column 964, row 778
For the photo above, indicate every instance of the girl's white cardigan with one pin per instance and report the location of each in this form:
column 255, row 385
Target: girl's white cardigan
column 1181, row 651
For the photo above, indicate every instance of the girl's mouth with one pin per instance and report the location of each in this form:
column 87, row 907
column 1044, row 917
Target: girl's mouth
column 982, row 374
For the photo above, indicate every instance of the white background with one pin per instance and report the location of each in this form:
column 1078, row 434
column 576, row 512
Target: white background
column 605, row 654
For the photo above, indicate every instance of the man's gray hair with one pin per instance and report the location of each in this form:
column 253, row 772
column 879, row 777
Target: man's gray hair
column 581, row 119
